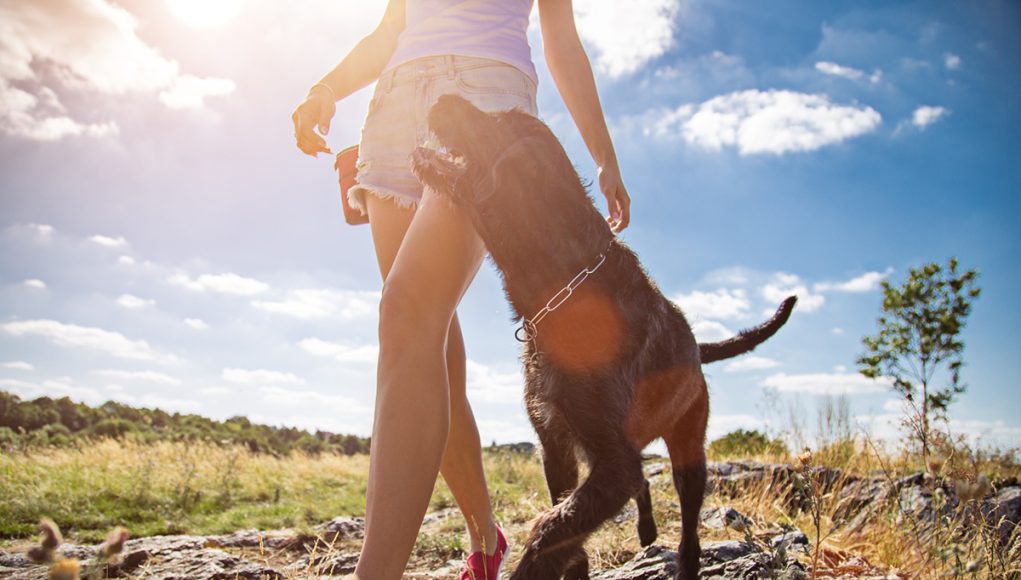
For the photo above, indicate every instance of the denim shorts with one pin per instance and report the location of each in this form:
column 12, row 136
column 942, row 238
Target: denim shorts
column 396, row 120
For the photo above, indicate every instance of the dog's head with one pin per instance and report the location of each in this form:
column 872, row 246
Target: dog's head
column 508, row 171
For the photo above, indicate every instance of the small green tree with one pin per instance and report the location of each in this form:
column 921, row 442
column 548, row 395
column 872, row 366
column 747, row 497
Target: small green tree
column 919, row 334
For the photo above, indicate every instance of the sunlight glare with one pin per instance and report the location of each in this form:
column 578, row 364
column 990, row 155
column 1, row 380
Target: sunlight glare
column 205, row 13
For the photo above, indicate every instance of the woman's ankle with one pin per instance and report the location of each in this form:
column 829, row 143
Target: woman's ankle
column 483, row 539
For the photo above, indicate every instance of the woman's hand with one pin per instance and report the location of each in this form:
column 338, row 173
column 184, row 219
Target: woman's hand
column 617, row 199
column 317, row 110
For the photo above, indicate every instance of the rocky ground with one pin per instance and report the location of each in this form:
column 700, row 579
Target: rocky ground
column 332, row 551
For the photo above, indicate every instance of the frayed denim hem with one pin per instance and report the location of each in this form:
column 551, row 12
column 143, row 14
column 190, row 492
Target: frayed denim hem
column 356, row 197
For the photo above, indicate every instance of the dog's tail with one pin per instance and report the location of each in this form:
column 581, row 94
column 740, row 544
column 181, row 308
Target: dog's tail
column 747, row 339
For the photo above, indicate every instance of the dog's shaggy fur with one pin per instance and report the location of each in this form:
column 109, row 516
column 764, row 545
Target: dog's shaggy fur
column 613, row 368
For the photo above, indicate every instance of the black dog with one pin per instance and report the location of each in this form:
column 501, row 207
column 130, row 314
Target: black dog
column 613, row 364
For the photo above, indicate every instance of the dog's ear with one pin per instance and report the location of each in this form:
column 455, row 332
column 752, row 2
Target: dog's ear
column 521, row 162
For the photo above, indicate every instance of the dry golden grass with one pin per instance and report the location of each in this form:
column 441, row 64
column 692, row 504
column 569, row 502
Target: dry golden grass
column 204, row 488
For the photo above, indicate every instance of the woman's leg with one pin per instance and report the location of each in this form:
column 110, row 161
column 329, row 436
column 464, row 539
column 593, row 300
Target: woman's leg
column 433, row 265
column 462, row 459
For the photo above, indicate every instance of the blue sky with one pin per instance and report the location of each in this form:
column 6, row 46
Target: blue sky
column 165, row 244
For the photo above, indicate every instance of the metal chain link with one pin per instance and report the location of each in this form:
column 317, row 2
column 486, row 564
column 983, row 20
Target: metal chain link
column 526, row 332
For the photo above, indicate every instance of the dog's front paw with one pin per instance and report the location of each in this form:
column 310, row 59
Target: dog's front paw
column 647, row 530
column 578, row 568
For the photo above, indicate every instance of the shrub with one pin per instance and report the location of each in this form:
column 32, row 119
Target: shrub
column 113, row 428
column 743, row 443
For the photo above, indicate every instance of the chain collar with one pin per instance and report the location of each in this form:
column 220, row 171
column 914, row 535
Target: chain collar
column 527, row 330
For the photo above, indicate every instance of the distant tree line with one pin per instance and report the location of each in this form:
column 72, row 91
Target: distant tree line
column 62, row 422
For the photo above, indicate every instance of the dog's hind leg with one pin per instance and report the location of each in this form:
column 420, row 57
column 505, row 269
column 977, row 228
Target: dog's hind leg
column 646, row 522
column 552, row 545
column 686, row 444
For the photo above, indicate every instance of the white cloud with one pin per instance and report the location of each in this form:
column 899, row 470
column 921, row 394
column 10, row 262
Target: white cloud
column 118, row 242
column 35, row 283
column 951, row 61
column 215, row 390
column 19, row 365
column 132, row 302
column 147, row 376
column 205, row 14
column 503, row 431
column 196, row 323
column 367, row 353
column 61, row 387
column 486, row 384
column 260, row 376
column 750, row 363
column 925, row 116
column 980, row 432
column 23, row 388
column 733, row 276
column 313, row 400
column 325, row 303
column 80, row 45
column 74, row 336
column 41, row 232
column 867, row 282
column 776, row 122
column 832, row 68
column 189, row 92
column 894, row 405
column 722, row 303
column 151, row 400
column 719, row 425
column 837, row 330
column 783, row 285
column 710, row 331
column 126, row 260
column 226, row 283
column 839, row 369
column 826, row 383
column 995, row 432
column 624, row 36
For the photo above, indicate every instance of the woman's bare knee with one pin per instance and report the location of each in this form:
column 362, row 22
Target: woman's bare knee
column 405, row 317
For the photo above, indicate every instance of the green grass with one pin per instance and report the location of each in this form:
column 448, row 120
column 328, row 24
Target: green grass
column 162, row 488
column 204, row 488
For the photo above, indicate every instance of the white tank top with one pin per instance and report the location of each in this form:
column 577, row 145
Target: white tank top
column 485, row 28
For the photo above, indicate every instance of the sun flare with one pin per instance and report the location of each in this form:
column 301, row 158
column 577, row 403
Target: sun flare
column 205, row 13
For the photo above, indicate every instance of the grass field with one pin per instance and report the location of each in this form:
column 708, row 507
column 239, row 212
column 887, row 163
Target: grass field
column 204, row 488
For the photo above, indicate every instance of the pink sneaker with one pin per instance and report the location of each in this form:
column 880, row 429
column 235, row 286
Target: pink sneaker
column 483, row 567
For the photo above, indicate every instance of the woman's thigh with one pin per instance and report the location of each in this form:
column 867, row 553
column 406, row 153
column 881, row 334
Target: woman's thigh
column 389, row 223
column 437, row 260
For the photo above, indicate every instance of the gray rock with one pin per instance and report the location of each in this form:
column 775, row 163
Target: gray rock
column 1004, row 511
column 795, row 542
column 917, row 503
column 794, row 538
column 271, row 540
column 439, row 516
column 654, row 469
column 165, row 545
column 652, row 563
column 718, row 518
column 861, row 499
column 207, row 563
column 339, row 529
column 754, row 566
column 727, row 550
column 330, row 564
column 13, row 560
